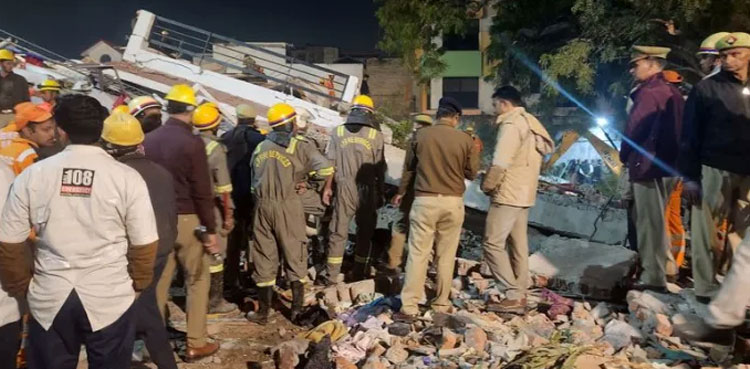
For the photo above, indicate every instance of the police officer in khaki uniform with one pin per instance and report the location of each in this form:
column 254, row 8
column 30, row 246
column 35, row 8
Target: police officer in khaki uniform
column 356, row 148
column 708, row 55
column 206, row 119
column 278, row 164
column 511, row 183
column 400, row 228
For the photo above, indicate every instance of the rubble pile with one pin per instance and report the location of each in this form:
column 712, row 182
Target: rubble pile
column 556, row 331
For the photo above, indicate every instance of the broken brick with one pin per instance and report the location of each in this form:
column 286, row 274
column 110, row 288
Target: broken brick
column 476, row 338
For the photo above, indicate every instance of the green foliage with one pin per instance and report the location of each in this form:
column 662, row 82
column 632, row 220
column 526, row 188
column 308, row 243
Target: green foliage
column 401, row 132
column 411, row 25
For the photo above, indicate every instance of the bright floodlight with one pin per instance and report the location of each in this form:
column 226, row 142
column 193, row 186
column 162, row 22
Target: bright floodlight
column 601, row 121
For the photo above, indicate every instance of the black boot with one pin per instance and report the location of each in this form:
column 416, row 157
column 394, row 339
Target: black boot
column 265, row 295
column 216, row 303
column 298, row 299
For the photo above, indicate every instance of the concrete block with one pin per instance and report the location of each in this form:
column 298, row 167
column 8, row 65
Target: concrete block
column 358, row 290
column 580, row 267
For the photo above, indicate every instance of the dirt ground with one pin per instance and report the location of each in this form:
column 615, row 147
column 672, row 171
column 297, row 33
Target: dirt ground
column 243, row 345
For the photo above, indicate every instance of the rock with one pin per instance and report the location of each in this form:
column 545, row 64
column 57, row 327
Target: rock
column 663, row 325
column 448, row 339
column 399, row 329
column 286, row 354
column 540, row 325
column 465, row 266
column 342, row 363
column 375, row 363
column 583, row 268
column 448, row 321
column 362, row 290
column 396, row 354
column 423, row 350
column 343, row 293
column 377, row 350
column 586, row 361
column 330, row 295
column 452, row 352
column 601, row 313
column 484, row 269
column 476, row 338
column 385, row 318
column 620, row 334
column 580, row 313
column 654, row 302
column 457, row 284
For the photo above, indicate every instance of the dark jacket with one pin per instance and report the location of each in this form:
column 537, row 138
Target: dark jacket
column 161, row 191
column 175, row 147
column 654, row 124
column 716, row 130
column 241, row 141
column 442, row 158
column 13, row 90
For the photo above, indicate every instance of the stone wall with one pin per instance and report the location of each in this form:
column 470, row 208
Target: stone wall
column 391, row 86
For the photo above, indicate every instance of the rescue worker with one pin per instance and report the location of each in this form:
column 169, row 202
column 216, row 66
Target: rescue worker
column 713, row 160
column 10, row 307
column 206, row 120
column 708, row 55
column 240, row 142
column 147, row 110
column 443, row 158
column 356, row 149
column 13, row 88
column 405, row 195
column 49, row 90
column 511, row 182
column 121, row 137
column 36, row 128
column 310, row 189
column 182, row 153
column 278, row 164
column 83, row 284
column 650, row 155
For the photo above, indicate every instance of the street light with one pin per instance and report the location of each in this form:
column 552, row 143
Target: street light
column 603, row 122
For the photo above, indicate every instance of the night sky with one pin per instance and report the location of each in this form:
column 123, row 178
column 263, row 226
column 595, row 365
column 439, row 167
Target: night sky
column 69, row 27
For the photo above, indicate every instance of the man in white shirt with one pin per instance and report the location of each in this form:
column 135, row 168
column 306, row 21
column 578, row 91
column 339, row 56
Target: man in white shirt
column 10, row 312
column 95, row 244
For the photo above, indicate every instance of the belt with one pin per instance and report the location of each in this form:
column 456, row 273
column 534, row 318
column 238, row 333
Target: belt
column 432, row 194
column 6, row 111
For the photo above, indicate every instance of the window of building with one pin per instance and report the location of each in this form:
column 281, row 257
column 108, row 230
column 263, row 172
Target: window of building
column 105, row 58
column 469, row 40
column 465, row 90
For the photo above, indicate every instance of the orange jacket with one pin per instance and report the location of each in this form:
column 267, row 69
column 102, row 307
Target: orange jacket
column 20, row 154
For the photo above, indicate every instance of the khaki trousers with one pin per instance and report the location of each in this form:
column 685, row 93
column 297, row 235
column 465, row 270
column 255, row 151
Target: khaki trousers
column 725, row 196
column 351, row 203
column 399, row 231
column 279, row 225
column 189, row 254
column 654, row 243
column 433, row 220
column 5, row 119
column 727, row 309
column 509, row 264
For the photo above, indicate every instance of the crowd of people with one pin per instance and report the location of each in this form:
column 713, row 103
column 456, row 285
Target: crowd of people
column 100, row 208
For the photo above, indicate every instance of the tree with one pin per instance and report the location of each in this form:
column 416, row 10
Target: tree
column 582, row 46
column 410, row 26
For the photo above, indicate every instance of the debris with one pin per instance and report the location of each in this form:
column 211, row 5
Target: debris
column 319, row 356
column 620, row 334
column 399, row 329
column 663, row 325
column 448, row 339
column 476, row 338
column 334, row 329
column 396, row 354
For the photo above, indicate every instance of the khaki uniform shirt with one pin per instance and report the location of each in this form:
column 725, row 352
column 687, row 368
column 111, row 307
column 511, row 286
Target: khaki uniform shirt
column 277, row 169
column 521, row 145
column 216, row 152
column 357, row 156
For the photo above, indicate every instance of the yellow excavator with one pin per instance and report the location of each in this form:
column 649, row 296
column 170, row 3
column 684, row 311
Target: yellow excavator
column 610, row 155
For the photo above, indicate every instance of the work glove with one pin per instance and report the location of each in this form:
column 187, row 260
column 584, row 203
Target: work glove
column 492, row 180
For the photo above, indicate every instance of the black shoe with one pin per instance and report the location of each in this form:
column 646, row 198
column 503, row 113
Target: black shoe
column 298, row 300
column 323, row 281
column 700, row 333
column 260, row 317
column 705, row 300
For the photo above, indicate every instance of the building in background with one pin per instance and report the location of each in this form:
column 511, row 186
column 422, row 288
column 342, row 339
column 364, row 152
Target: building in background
column 103, row 52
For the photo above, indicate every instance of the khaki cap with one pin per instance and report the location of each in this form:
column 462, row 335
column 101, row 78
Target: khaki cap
column 733, row 40
column 643, row 52
column 245, row 111
column 708, row 46
column 423, row 119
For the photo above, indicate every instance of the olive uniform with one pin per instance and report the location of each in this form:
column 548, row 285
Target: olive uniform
column 279, row 221
column 357, row 151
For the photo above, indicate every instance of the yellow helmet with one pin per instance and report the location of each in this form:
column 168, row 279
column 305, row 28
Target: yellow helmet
column 120, row 109
column 708, row 46
column 139, row 104
column 206, row 116
column 281, row 114
column 6, row 54
column 122, row 129
column 182, row 94
column 363, row 102
column 49, row 85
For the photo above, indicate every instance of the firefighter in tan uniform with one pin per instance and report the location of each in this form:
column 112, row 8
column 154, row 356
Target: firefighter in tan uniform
column 206, row 119
column 356, row 149
column 278, row 164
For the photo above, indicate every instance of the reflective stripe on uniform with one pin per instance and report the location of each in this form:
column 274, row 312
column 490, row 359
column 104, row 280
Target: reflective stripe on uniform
column 223, row 189
column 211, row 147
column 266, row 284
column 292, row 145
column 360, row 259
column 340, row 131
column 25, row 154
column 338, row 260
column 216, row 268
column 372, row 134
column 325, row 172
